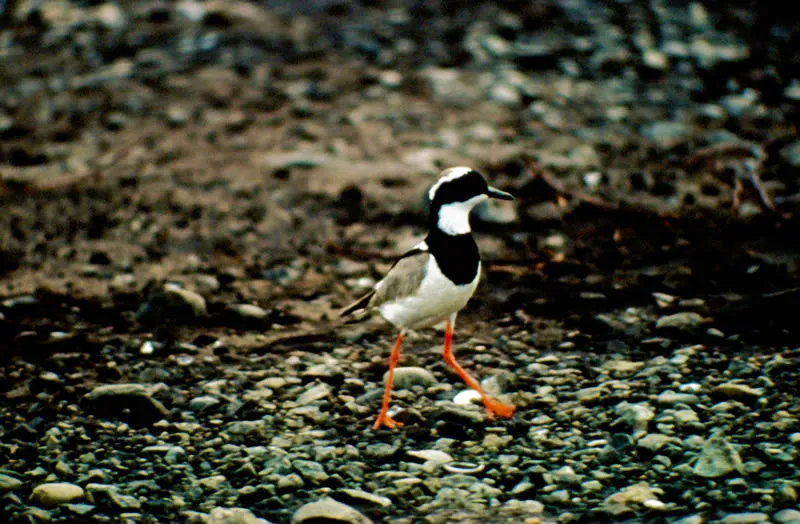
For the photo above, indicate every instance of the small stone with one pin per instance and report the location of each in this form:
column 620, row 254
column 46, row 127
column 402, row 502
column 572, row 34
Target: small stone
column 213, row 483
column 314, row 393
column 623, row 367
column 79, row 509
column 147, row 348
column 9, row 483
column 20, row 301
column 131, row 402
column 328, row 510
column 311, row 470
column 589, row 395
column 203, row 402
column 505, row 94
column 653, row 442
column 786, row 494
column 290, row 481
column 175, row 455
column 671, row 398
column 630, row 499
column 685, row 417
column 666, row 133
column 324, row 370
column 559, row 496
column 54, row 494
column 245, row 427
column 111, row 16
column 408, row 377
column 432, row 458
column 108, row 496
column 172, row 302
column 176, row 116
column 523, row 508
column 467, row 396
column 663, row 300
column 691, row 519
column 637, row 416
column 787, row 516
column 233, row 516
column 736, row 391
column 745, row 518
column 655, row 59
column 791, row 153
column 247, row 311
column 684, row 321
column 358, row 496
column 717, row 458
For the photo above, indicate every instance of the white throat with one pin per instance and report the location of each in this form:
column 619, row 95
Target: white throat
column 454, row 218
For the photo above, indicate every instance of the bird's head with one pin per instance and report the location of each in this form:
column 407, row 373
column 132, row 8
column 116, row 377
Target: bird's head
column 458, row 190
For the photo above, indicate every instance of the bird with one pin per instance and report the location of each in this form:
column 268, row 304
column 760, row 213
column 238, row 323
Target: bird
column 434, row 280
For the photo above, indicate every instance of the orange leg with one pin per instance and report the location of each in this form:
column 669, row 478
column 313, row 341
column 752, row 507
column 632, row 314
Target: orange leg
column 493, row 407
column 383, row 417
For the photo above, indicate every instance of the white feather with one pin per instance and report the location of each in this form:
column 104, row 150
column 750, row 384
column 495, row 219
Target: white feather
column 436, row 299
column 454, row 218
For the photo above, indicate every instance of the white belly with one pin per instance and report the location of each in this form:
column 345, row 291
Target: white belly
column 437, row 298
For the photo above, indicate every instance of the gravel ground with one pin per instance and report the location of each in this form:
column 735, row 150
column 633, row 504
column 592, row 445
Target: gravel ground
column 190, row 191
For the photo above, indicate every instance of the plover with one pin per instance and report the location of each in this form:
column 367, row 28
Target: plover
column 433, row 281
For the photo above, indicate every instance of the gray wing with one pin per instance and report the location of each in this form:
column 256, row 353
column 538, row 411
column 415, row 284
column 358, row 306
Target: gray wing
column 403, row 279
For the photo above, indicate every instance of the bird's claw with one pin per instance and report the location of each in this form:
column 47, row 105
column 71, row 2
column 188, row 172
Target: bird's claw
column 385, row 420
column 498, row 409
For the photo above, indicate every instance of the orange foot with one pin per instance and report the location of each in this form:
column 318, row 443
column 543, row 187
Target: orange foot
column 498, row 409
column 385, row 420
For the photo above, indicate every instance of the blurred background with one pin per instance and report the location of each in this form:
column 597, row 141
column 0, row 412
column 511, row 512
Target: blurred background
column 190, row 190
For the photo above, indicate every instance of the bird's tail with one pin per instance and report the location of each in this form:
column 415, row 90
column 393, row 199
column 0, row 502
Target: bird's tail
column 361, row 303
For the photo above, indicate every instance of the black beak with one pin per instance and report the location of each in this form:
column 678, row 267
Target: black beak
column 496, row 193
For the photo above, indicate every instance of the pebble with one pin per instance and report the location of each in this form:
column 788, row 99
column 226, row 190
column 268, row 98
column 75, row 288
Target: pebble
column 128, row 401
column 637, row 416
column 717, row 458
column 736, row 391
column 630, row 499
column 290, row 481
column 787, row 516
column 9, row 483
column 20, row 301
column 791, row 153
column 432, row 458
column 203, row 402
column 233, row 516
column 684, row 321
column 671, row 398
column 653, row 442
column 247, row 311
column 691, row 519
column 54, row 494
column 410, row 376
column 314, row 393
column 666, row 134
column 109, row 496
column 684, row 417
column 744, row 518
column 359, row 496
column 176, row 115
column 467, row 396
column 328, row 510
column 622, row 367
column 505, row 95
column 310, row 470
column 172, row 302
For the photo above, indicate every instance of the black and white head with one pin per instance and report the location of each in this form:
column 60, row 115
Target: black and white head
column 452, row 197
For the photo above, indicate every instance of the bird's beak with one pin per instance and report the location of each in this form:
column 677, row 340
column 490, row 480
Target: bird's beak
column 496, row 193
